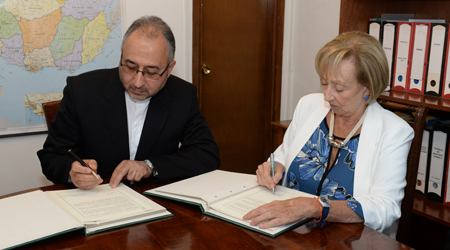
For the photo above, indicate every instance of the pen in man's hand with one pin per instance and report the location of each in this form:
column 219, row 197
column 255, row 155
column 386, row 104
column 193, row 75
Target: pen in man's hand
column 273, row 170
column 83, row 163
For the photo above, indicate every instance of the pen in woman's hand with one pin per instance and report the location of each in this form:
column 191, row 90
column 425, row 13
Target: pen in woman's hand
column 273, row 170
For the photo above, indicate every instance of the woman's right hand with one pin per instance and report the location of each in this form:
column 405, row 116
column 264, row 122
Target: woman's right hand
column 264, row 174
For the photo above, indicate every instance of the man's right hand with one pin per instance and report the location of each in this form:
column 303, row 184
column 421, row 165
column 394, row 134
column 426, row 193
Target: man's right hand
column 82, row 177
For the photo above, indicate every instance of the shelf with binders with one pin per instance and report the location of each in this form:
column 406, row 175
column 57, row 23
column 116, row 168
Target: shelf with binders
column 439, row 107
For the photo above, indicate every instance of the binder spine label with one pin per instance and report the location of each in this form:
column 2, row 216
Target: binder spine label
column 421, row 174
column 388, row 44
column 420, row 47
column 402, row 56
column 374, row 30
column 435, row 62
column 437, row 162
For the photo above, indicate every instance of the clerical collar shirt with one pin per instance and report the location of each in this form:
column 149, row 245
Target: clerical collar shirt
column 136, row 113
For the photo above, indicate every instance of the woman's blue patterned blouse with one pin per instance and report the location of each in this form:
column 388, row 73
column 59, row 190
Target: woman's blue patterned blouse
column 309, row 169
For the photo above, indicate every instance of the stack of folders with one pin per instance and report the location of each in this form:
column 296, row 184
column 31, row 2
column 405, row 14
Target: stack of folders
column 432, row 177
column 417, row 53
column 433, row 181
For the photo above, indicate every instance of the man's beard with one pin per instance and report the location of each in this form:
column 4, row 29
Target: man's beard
column 138, row 99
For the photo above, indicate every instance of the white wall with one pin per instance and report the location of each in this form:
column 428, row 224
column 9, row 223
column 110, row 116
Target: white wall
column 19, row 165
column 309, row 25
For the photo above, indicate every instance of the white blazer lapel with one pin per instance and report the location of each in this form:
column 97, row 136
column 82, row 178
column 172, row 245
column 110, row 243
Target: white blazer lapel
column 368, row 144
column 307, row 129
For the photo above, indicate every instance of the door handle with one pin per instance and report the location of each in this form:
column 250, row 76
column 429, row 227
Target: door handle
column 205, row 69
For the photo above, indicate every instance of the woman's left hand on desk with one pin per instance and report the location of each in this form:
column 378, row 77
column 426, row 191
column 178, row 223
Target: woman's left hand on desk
column 284, row 212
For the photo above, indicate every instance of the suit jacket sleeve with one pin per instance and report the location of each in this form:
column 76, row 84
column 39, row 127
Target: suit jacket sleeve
column 63, row 134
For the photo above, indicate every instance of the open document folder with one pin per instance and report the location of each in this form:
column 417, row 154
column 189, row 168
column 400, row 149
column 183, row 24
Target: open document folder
column 38, row 215
column 228, row 196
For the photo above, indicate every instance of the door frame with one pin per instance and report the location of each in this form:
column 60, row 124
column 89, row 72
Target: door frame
column 274, row 62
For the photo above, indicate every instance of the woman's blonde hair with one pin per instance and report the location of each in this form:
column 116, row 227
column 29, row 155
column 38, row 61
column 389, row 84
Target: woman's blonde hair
column 371, row 66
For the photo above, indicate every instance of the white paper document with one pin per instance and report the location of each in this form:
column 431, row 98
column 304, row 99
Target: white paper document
column 38, row 215
column 228, row 196
column 101, row 203
column 31, row 216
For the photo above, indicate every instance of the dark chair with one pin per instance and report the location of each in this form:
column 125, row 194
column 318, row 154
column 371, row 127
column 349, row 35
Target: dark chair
column 50, row 109
column 419, row 113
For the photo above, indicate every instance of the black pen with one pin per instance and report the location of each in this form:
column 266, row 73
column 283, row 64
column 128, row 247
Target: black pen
column 83, row 163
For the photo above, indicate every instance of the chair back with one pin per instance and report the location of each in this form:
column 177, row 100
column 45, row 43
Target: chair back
column 420, row 114
column 50, row 109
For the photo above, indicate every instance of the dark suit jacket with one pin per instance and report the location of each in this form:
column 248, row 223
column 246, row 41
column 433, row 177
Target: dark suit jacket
column 92, row 121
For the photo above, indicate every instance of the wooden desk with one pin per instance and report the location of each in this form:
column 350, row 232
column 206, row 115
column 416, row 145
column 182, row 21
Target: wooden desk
column 190, row 229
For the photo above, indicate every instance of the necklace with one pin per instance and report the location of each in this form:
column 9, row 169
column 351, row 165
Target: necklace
column 342, row 143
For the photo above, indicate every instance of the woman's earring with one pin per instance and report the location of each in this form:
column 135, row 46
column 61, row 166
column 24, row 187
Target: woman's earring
column 366, row 97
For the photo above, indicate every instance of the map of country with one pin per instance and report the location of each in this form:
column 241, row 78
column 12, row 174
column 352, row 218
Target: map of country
column 29, row 27
column 44, row 41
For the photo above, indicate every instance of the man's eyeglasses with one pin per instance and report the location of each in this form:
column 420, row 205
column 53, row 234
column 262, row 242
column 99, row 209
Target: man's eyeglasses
column 147, row 75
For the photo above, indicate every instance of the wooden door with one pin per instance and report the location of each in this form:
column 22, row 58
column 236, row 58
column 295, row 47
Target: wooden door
column 241, row 44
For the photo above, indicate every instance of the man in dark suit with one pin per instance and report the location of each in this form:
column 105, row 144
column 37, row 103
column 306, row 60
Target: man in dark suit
column 135, row 121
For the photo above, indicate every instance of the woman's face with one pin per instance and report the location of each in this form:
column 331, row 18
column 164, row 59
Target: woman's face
column 344, row 93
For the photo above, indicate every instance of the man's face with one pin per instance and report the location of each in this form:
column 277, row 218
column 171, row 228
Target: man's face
column 148, row 55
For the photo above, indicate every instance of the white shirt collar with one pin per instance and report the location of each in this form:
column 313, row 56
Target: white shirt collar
column 136, row 114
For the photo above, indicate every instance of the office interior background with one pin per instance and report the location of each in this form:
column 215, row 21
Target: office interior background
column 308, row 25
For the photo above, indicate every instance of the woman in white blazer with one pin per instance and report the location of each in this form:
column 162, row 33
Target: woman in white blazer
column 342, row 145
